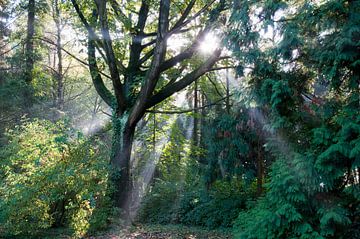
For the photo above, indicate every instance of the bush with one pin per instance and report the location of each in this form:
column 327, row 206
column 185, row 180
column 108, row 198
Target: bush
column 294, row 207
column 216, row 208
column 52, row 177
column 195, row 206
column 161, row 204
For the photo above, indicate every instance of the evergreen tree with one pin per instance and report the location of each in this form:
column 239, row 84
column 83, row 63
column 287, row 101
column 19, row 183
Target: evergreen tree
column 306, row 77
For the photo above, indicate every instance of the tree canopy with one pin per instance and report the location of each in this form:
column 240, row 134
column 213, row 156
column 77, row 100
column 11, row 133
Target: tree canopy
column 240, row 115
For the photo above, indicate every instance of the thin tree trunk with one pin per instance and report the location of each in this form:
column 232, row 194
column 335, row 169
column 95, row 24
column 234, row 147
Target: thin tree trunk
column 29, row 43
column 154, row 134
column 202, row 159
column 260, row 169
column 60, row 80
column 227, row 92
column 195, row 129
column 95, row 110
column 156, row 169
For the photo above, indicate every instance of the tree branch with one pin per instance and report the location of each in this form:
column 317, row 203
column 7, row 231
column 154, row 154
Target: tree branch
column 215, row 86
column 177, row 27
column 187, row 54
column 185, row 14
column 9, row 50
column 152, row 75
column 120, row 15
column 170, row 89
column 222, row 68
column 107, row 42
column 186, row 110
column 73, row 56
column 99, row 85
column 90, row 30
column 136, row 48
column 147, row 56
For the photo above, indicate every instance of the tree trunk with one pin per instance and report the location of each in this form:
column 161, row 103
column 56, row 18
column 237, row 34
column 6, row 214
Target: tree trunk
column 202, row 160
column 194, row 149
column 120, row 162
column 59, row 75
column 29, row 58
column 29, row 44
column 260, row 169
column 227, row 92
column 129, row 106
column 195, row 129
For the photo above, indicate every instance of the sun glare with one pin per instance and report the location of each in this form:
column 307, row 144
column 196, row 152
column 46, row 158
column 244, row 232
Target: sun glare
column 209, row 43
column 176, row 43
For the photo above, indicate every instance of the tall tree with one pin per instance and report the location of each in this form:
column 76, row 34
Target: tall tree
column 142, row 80
column 4, row 31
column 306, row 79
column 196, row 110
column 29, row 42
column 59, row 74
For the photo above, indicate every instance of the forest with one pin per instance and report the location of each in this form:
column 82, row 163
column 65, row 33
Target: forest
column 180, row 119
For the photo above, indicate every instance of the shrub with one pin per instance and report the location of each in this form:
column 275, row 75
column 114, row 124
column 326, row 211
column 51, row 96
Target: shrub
column 161, row 204
column 217, row 207
column 52, row 177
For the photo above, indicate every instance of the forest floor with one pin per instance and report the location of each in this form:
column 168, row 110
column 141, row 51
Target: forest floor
column 163, row 232
column 155, row 232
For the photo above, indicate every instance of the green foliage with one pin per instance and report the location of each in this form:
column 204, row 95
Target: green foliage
column 178, row 193
column 52, row 177
column 284, row 211
column 161, row 204
column 217, row 207
column 226, row 146
column 306, row 83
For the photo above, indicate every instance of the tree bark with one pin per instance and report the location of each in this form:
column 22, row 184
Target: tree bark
column 260, row 169
column 59, row 75
column 227, row 92
column 120, row 161
column 29, row 43
column 130, row 107
column 195, row 129
column 202, row 158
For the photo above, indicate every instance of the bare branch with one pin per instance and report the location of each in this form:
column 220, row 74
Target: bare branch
column 77, row 95
column 214, row 84
column 73, row 56
column 185, row 14
column 186, row 110
column 177, row 27
column 9, row 50
column 136, row 48
column 222, row 68
column 147, row 56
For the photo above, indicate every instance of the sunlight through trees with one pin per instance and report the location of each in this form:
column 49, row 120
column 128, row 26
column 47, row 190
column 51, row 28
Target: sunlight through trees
column 179, row 119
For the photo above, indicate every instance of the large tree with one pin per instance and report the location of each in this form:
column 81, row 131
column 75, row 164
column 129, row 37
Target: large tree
column 148, row 72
